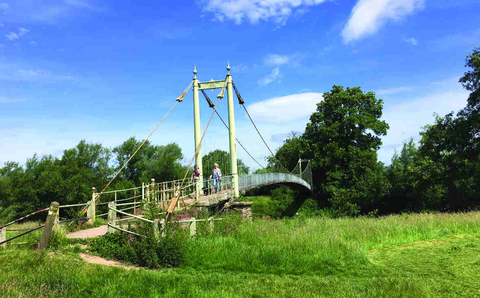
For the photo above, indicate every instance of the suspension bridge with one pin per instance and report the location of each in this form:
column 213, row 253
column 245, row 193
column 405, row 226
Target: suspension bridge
column 184, row 194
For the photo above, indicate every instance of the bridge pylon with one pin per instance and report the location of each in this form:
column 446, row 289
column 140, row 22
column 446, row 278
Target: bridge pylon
column 197, row 86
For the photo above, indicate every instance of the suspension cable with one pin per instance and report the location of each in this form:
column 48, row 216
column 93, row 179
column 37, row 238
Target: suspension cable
column 175, row 199
column 242, row 103
column 211, row 105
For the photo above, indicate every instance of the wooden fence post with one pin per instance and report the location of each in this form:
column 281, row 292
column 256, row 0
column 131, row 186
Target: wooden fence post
column 155, row 228
column 91, row 212
column 3, row 237
column 152, row 186
column 211, row 223
column 111, row 216
column 134, row 201
column 47, row 231
column 162, row 227
column 143, row 192
column 147, row 192
column 193, row 227
column 197, row 190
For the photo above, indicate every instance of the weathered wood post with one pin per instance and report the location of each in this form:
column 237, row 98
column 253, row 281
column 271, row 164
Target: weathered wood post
column 197, row 189
column 47, row 231
column 162, row 227
column 163, row 192
column 193, row 227
column 3, row 237
column 134, row 201
column 152, row 186
column 115, row 197
column 156, row 232
column 211, row 223
column 91, row 208
column 111, row 216
column 147, row 192
column 143, row 191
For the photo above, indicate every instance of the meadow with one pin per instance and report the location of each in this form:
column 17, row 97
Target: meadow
column 408, row 255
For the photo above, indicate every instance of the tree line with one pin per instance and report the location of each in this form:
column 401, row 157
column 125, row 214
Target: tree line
column 441, row 172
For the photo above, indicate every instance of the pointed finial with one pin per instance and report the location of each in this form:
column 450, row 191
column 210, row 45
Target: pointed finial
column 228, row 67
column 195, row 70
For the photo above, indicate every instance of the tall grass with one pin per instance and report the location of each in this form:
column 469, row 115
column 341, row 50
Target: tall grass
column 319, row 245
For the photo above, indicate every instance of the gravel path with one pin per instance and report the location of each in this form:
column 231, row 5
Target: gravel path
column 98, row 260
column 94, row 232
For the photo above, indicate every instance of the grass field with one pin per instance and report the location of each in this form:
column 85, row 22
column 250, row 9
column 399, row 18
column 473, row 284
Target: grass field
column 416, row 255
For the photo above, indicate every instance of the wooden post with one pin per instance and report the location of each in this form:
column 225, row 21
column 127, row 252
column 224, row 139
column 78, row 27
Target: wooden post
column 162, row 227
column 134, row 201
column 193, row 227
column 163, row 193
column 115, row 197
column 147, row 192
column 152, row 185
column 91, row 212
column 156, row 232
column 197, row 190
column 111, row 216
column 143, row 191
column 3, row 237
column 211, row 223
column 47, row 231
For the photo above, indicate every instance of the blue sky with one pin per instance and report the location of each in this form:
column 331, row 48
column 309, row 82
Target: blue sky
column 108, row 70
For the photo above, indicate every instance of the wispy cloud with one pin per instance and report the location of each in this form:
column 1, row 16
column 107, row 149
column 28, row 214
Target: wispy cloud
column 83, row 4
column 4, row 7
column 286, row 108
column 240, row 68
column 16, row 35
column 277, row 60
column 369, row 15
column 412, row 41
column 12, row 36
column 326, row 49
column 393, row 90
column 277, row 11
column 5, row 100
column 273, row 76
column 33, row 43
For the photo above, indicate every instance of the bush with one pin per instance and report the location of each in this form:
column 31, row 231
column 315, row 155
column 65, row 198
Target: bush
column 144, row 250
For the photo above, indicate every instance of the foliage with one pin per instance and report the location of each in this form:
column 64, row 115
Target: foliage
column 341, row 139
column 222, row 158
column 147, row 250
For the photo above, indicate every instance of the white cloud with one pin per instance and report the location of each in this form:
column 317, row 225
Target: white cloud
column 22, row 31
column 4, row 6
column 1, row 25
column 411, row 40
column 254, row 11
column 393, row 90
column 286, row 108
column 33, row 43
column 16, row 35
column 273, row 76
column 276, row 60
column 82, row 4
column 326, row 49
column 407, row 118
column 369, row 15
column 5, row 100
column 240, row 68
column 12, row 36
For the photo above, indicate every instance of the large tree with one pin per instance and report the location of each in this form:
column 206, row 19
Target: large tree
column 222, row 158
column 342, row 140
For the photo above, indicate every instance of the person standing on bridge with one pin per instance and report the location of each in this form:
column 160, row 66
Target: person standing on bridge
column 195, row 174
column 217, row 177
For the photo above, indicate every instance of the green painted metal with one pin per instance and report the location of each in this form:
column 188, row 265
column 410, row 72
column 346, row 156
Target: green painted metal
column 211, row 85
column 198, row 136
column 231, row 125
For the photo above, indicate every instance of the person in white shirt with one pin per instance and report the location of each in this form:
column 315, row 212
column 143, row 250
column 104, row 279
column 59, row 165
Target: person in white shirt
column 216, row 176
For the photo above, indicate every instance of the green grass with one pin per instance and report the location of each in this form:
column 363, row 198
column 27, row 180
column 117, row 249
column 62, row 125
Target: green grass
column 417, row 255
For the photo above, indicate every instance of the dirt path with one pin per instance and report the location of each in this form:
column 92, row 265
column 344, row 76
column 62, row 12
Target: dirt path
column 101, row 261
column 89, row 233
